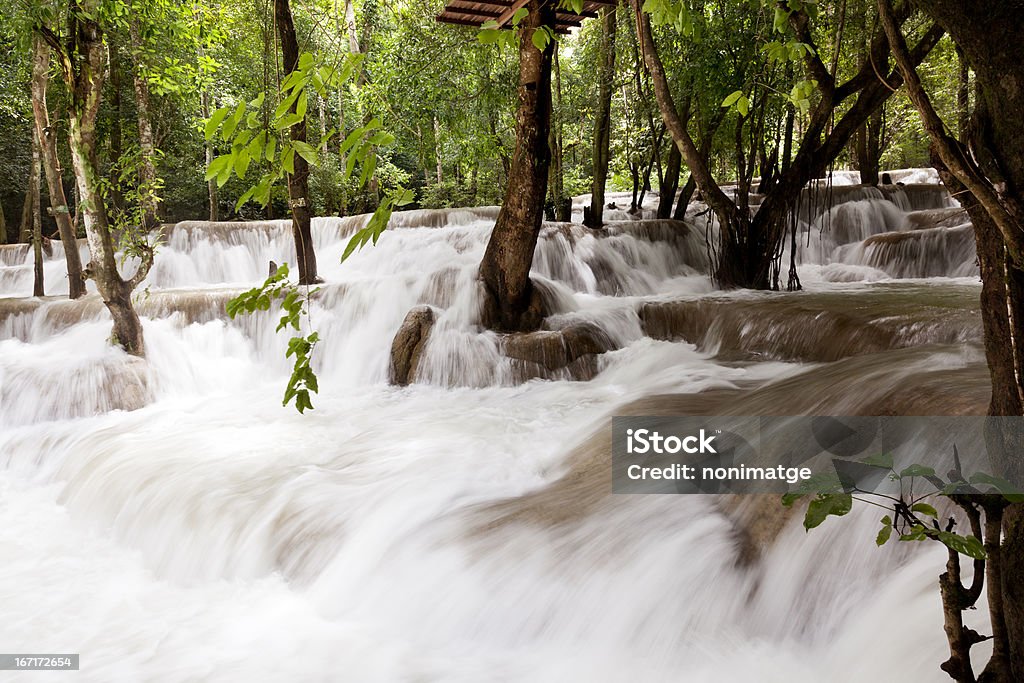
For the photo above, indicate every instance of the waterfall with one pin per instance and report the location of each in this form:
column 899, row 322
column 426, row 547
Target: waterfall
column 170, row 520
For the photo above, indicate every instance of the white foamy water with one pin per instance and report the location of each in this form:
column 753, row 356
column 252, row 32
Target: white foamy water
column 171, row 521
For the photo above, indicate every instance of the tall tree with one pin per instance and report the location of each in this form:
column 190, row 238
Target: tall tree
column 991, row 168
column 511, row 303
column 602, row 119
column 37, row 220
column 298, row 178
column 82, row 62
column 749, row 247
column 147, row 148
column 54, row 179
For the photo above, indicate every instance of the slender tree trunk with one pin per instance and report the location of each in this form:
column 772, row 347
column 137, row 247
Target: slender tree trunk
column 211, row 185
column 37, row 220
column 511, row 303
column 562, row 204
column 603, row 119
column 25, row 231
column 54, row 180
column 437, row 151
column 147, row 168
column 3, row 225
column 298, row 182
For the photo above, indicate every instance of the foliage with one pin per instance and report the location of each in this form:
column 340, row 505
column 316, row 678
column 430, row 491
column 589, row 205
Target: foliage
column 294, row 305
column 912, row 518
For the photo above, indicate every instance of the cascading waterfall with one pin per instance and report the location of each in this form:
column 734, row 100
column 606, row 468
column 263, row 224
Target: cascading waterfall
column 170, row 520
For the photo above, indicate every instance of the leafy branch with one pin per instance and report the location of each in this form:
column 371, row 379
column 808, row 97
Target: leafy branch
column 294, row 306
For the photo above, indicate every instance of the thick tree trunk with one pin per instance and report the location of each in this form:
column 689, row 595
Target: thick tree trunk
column 602, row 119
column 54, row 181
column 510, row 301
column 37, row 220
column 147, row 169
column 992, row 168
column 298, row 182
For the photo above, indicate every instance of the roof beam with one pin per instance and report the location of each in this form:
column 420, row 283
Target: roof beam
column 507, row 15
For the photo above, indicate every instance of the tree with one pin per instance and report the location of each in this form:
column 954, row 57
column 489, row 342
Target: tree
column 511, row 303
column 147, row 148
column 298, row 178
column 989, row 166
column 82, row 61
column 748, row 246
column 54, row 179
column 602, row 119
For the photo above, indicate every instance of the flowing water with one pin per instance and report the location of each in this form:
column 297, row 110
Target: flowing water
column 170, row 520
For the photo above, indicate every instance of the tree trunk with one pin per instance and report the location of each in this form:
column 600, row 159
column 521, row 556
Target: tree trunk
column 3, row 225
column 992, row 168
column 84, row 77
column 556, row 184
column 510, row 301
column 211, row 185
column 298, row 182
column 437, row 152
column 54, row 181
column 147, row 169
column 868, row 144
column 602, row 120
column 37, row 220
column 669, row 185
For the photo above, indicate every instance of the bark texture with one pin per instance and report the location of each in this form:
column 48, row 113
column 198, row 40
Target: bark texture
column 298, row 181
column 511, row 303
column 603, row 119
column 988, row 168
column 54, row 180
column 83, row 65
column 147, row 167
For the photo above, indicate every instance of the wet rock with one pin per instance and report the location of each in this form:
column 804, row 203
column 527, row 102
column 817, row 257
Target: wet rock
column 569, row 353
column 812, row 327
column 407, row 347
column 937, row 218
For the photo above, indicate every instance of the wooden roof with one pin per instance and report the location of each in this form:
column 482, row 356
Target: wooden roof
column 477, row 12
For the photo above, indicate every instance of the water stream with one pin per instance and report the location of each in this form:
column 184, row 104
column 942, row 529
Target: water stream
column 170, row 520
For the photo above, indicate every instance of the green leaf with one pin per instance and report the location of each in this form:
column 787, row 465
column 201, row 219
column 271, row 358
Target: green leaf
column 837, row 504
column 883, row 534
column 540, row 38
column 216, row 166
column 489, row 36
column 965, row 545
column 214, row 122
column 232, row 123
column 925, row 509
column 732, row 98
column 288, row 159
column 305, row 151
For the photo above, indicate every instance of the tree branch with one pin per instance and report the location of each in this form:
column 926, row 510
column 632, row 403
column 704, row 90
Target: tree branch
column 949, row 150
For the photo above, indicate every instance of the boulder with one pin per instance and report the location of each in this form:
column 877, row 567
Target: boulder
column 408, row 344
column 570, row 352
